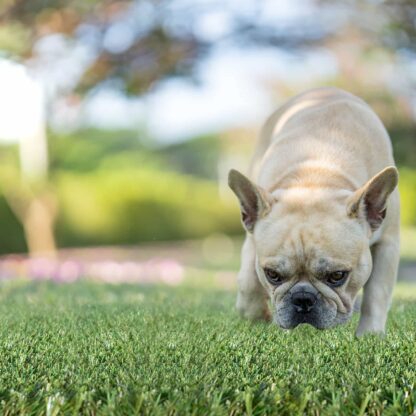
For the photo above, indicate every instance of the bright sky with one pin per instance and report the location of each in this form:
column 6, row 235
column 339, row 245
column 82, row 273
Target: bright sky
column 235, row 91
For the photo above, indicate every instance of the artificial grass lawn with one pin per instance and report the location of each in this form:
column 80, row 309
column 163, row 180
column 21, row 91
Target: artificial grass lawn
column 98, row 349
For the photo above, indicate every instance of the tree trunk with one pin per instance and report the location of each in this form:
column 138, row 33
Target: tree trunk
column 39, row 212
column 38, row 225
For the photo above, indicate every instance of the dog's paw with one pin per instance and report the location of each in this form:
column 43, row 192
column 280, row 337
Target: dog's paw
column 366, row 329
column 253, row 311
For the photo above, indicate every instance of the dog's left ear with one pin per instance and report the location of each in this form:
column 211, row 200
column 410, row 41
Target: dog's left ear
column 254, row 201
column 370, row 200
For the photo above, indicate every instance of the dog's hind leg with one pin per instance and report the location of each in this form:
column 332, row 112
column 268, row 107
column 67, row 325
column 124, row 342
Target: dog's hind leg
column 251, row 298
column 379, row 287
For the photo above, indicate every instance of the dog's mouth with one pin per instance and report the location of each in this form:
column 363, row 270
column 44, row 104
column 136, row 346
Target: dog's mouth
column 321, row 317
column 303, row 320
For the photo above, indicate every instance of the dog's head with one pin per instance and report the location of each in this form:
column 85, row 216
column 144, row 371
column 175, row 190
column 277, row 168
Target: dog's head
column 312, row 245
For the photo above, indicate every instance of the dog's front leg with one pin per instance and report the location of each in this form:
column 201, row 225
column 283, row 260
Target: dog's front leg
column 252, row 297
column 378, row 289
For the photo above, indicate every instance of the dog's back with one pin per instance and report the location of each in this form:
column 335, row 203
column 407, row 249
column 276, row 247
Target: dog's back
column 318, row 134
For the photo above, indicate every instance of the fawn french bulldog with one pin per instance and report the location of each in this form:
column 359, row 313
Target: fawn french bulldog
column 321, row 214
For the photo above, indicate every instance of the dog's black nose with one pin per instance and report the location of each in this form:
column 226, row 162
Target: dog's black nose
column 303, row 301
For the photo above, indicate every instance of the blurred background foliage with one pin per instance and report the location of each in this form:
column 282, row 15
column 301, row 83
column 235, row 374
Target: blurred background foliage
column 126, row 184
column 113, row 190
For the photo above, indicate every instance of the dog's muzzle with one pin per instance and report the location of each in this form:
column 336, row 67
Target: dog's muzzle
column 304, row 304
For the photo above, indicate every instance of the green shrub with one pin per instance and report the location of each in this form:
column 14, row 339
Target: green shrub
column 130, row 206
column 12, row 238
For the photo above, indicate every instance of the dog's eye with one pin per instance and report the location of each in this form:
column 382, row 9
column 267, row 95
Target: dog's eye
column 337, row 278
column 273, row 276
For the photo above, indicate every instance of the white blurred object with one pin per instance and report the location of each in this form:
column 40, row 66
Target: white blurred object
column 22, row 117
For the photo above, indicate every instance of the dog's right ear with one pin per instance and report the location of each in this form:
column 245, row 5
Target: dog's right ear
column 255, row 202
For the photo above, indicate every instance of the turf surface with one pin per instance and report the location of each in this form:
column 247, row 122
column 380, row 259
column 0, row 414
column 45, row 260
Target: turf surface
column 98, row 349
